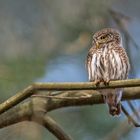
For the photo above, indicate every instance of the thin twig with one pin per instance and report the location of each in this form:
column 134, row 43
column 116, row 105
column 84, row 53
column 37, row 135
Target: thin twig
column 135, row 112
column 67, row 98
column 130, row 118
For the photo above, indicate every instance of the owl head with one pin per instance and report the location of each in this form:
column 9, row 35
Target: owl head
column 106, row 35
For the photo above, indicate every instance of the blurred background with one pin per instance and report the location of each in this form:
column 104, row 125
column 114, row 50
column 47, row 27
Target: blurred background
column 48, row 40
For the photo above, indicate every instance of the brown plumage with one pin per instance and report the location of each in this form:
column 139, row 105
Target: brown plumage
column 106, row 61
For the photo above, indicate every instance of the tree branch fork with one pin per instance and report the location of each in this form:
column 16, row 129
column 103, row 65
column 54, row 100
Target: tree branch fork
column 46, row 97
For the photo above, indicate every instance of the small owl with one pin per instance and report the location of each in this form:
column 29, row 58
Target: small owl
column 106, row 61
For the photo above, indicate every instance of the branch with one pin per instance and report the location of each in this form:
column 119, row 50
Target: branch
column 63, row 87
column 36, row 108
column 47, row 103
column 33, row 111
column 54, row 128
column 122, row 129
column 26, row 109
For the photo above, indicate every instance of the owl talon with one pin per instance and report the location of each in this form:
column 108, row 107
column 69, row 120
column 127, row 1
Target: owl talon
column 106, row 83
column 97, row 82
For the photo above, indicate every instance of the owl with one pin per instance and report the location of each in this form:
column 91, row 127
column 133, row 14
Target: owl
column 107, row 60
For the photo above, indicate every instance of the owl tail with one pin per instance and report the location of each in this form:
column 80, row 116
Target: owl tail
column 113, row 98
column 115, row 110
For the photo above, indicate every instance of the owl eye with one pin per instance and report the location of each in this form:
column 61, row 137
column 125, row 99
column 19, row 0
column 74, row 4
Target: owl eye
column 102, row 37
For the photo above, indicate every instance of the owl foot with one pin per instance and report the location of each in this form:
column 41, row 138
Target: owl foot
column 97, row 82
column 106, row 82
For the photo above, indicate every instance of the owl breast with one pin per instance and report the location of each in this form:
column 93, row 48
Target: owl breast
column 109, row 63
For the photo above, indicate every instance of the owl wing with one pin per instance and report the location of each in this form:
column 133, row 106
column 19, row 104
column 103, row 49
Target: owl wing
column 124, row 61
column 89, row 61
